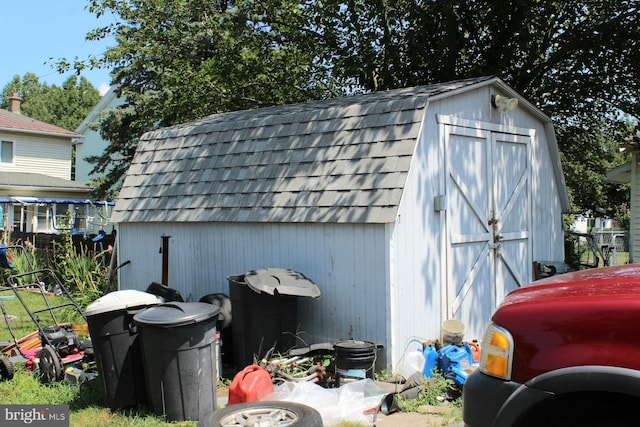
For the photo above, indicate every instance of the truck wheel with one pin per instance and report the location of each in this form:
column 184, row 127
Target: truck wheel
column 6, row 369
column 263, row 414
column 584, row 409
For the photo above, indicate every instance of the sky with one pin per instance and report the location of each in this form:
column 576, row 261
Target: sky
column 33, row 31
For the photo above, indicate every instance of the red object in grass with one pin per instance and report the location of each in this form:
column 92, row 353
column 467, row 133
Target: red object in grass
column 250, row 385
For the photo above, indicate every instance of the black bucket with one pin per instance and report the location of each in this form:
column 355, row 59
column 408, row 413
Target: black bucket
column 354, row 360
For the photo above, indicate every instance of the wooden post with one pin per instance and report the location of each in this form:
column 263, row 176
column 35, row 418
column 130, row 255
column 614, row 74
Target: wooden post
column 165, row 259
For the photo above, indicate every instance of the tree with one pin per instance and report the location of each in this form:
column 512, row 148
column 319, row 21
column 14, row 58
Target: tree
column 576, row 60
column 65, row 106
column 178, row 60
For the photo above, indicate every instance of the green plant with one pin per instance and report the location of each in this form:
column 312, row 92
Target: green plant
column 80, row 271
column 382, row 375
column 432, row 392
column 23, row 256
column 84, row 400
column 20, row 321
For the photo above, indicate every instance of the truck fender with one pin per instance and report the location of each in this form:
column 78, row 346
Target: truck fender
column 589, row 378
column 568, row 380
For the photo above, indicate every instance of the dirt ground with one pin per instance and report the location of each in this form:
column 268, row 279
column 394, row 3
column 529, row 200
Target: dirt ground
column 404, row 419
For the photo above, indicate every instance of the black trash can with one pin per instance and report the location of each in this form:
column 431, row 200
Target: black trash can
column 265, row 311
column 116, row 346
column 178, row 349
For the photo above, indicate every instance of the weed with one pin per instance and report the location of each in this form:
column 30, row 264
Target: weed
column 80, row 271
column 84, row 400
column 431, row 393
column 382, row 375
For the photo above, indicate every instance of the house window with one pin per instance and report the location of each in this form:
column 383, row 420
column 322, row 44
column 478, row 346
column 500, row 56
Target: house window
column 6, row 152
column 43, row 219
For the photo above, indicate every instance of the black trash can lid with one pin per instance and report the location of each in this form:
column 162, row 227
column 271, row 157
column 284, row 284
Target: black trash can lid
column 283, row 281
column 176, row 314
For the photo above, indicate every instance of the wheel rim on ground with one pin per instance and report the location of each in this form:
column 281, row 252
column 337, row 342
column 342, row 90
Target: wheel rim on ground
column 260, row 417
column 263, row 414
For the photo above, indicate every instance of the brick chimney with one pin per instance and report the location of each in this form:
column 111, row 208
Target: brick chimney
column 14, row 103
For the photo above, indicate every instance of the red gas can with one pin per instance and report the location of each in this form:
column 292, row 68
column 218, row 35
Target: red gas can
column 249, row 385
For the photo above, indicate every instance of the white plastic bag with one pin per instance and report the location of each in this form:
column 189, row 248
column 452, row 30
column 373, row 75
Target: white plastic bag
column 348, row 402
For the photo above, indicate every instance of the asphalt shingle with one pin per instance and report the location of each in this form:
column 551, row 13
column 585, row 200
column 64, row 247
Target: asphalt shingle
column 335, row 160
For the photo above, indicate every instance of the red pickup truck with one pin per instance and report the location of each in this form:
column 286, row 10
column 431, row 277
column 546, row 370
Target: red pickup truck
column 563, row 351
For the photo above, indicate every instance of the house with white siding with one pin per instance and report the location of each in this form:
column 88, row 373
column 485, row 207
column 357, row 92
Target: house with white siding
column 36, row 189
column 629, row 173
column 406, row 207
column 91, row 142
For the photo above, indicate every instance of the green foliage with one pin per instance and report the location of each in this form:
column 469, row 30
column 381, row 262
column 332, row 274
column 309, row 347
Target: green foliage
column 85, row 401
column 433, row 392
column 180, row 60
column 25, row 388
column 622, row 214
column 23, row 257
column 382, row 375
column 65, row 106
column 573, row 252
column 80, row 271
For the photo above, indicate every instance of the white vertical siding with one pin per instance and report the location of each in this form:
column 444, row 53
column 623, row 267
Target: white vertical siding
column 347, row 262
column 418, row 275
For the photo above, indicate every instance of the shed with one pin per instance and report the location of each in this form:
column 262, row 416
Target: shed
column 406, row 207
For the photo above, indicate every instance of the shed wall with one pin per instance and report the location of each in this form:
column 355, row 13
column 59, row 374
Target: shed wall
column 347, row 262
column 417, row 260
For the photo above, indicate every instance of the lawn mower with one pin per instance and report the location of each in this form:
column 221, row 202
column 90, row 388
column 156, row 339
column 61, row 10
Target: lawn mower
column 54, row 346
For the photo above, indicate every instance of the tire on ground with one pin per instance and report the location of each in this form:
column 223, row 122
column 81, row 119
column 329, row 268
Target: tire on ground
column 6, row 369
column 295, row 414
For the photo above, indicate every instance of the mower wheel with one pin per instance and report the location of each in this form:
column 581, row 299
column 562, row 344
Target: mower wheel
column 50, row 365
column 6, row 369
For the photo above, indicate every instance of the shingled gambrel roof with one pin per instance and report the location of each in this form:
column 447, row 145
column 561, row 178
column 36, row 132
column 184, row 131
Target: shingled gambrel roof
column 341, row 160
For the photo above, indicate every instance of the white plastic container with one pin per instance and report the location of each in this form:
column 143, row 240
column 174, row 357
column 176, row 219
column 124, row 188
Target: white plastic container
column 413, row 362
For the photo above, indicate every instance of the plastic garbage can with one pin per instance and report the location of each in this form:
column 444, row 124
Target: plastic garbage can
column 265, row 311
column 116, row 345
column 178, row 349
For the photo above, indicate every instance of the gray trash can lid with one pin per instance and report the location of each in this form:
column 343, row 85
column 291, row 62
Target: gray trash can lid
column 121, row 300
column 176, row 314
column 283, row 281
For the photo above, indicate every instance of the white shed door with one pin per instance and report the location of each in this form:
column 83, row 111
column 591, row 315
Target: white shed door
column 487, row 221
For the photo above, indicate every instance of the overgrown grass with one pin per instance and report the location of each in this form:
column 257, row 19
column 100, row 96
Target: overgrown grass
column 79, row 270
column 85, row 402
column 21, row 322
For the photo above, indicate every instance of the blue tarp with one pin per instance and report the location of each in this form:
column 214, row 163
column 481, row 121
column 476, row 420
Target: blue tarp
column 57, row 201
